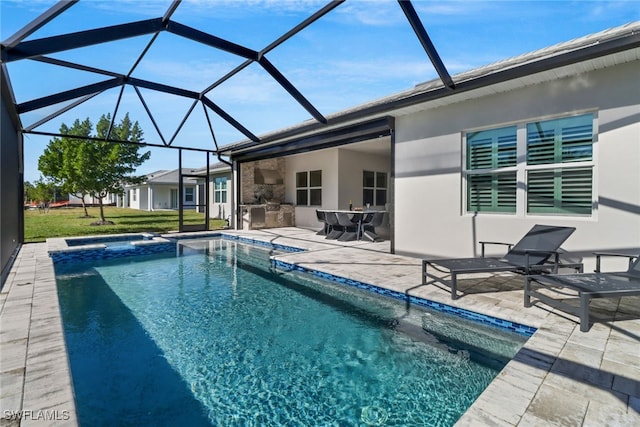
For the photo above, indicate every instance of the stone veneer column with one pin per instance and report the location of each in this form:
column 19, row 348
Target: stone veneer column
column 247, row 178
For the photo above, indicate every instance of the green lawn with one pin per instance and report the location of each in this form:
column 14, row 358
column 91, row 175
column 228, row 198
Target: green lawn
column 67, row 222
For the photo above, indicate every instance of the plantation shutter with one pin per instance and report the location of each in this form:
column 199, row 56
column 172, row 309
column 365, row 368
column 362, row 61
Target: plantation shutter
column 560, row 141
column 565, row 191
column 556, row 142
column 491, row 192
column 491, row 150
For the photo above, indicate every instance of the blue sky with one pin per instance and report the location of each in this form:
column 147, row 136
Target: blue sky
column 361, row 51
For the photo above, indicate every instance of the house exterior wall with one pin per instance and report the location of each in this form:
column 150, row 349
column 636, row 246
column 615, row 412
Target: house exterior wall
column 221, row 210
column 341, row 179
column 88, row 200
column 162, row 196
column 138, row 197
column 143, row 197
column 325, row 160
column 429, row 203
column 351, row 166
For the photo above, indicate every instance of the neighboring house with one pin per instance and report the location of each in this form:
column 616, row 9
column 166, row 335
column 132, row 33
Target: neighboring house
column 160, row 190
column 550, row 137
column 110, row 199
column 220, row 189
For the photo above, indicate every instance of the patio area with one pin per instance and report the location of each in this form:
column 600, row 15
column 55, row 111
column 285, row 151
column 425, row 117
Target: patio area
column 560, row 377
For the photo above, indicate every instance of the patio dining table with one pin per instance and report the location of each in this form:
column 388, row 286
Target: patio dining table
column 356, row 216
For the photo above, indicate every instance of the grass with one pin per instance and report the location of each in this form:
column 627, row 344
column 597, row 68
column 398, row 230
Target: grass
column 67, row 222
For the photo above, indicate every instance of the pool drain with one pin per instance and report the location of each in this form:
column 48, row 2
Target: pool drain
column 374, row 415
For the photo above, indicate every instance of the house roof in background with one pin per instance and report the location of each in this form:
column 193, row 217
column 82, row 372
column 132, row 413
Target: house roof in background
column 169, row 177
column 163, row 176
column 214, row 168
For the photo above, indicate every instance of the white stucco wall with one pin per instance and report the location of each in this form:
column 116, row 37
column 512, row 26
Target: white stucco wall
column 162, row 196
column 134, row 197
column 351, row 166
column 429, row 217
column 341, row 179
column 325, row 160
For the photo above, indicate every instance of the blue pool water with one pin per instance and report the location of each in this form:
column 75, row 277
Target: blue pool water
column 211, row 336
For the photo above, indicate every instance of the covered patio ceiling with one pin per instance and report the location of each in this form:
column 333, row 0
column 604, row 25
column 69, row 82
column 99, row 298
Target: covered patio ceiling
column 140, row 38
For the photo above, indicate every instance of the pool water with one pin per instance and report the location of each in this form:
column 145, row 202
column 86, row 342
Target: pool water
column 212, row 336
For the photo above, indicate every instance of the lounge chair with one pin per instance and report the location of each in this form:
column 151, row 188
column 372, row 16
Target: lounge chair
column 531, row 254
column 587, row 285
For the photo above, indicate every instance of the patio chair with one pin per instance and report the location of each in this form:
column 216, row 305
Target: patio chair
column 587, row 285
column 350, row 225
column 325, row 226
column 531, row 254
column 334, row 229
column 369, row 224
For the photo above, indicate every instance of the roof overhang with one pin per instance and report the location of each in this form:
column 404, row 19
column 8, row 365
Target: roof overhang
column 357, row 132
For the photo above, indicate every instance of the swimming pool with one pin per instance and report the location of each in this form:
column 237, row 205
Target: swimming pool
column 210, row 335
column 113, row 240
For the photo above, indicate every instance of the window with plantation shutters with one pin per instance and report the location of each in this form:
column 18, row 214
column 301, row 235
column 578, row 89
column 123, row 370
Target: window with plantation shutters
column 556, row 165
column 560, row 144
column 489, row 188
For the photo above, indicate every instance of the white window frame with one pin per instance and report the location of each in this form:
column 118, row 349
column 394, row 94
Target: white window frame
column 308, row 187
column 220, row 193
column 189, row 192
column 375, row 187
column 522, row 169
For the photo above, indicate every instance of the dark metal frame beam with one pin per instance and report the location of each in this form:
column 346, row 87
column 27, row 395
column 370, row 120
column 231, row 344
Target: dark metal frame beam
column 213, row 135
column 159, row 87
column 15, row 49
column 286, row 36
column 229, row 119
column 211, row 40
column 428, row 46
column 117, row 141
column 146, row 108
column 67, row 95
column 67, row 64
column 80, row 39
column 38, row 23
column 61, row 111
column 291, row 89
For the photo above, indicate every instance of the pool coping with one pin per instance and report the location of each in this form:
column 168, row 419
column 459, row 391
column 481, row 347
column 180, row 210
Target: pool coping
column 537, row 386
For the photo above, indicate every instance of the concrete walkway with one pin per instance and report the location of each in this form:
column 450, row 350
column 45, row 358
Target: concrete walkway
column 560, row 377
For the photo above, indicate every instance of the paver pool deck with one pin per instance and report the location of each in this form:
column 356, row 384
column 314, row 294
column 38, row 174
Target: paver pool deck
column 560, row 377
